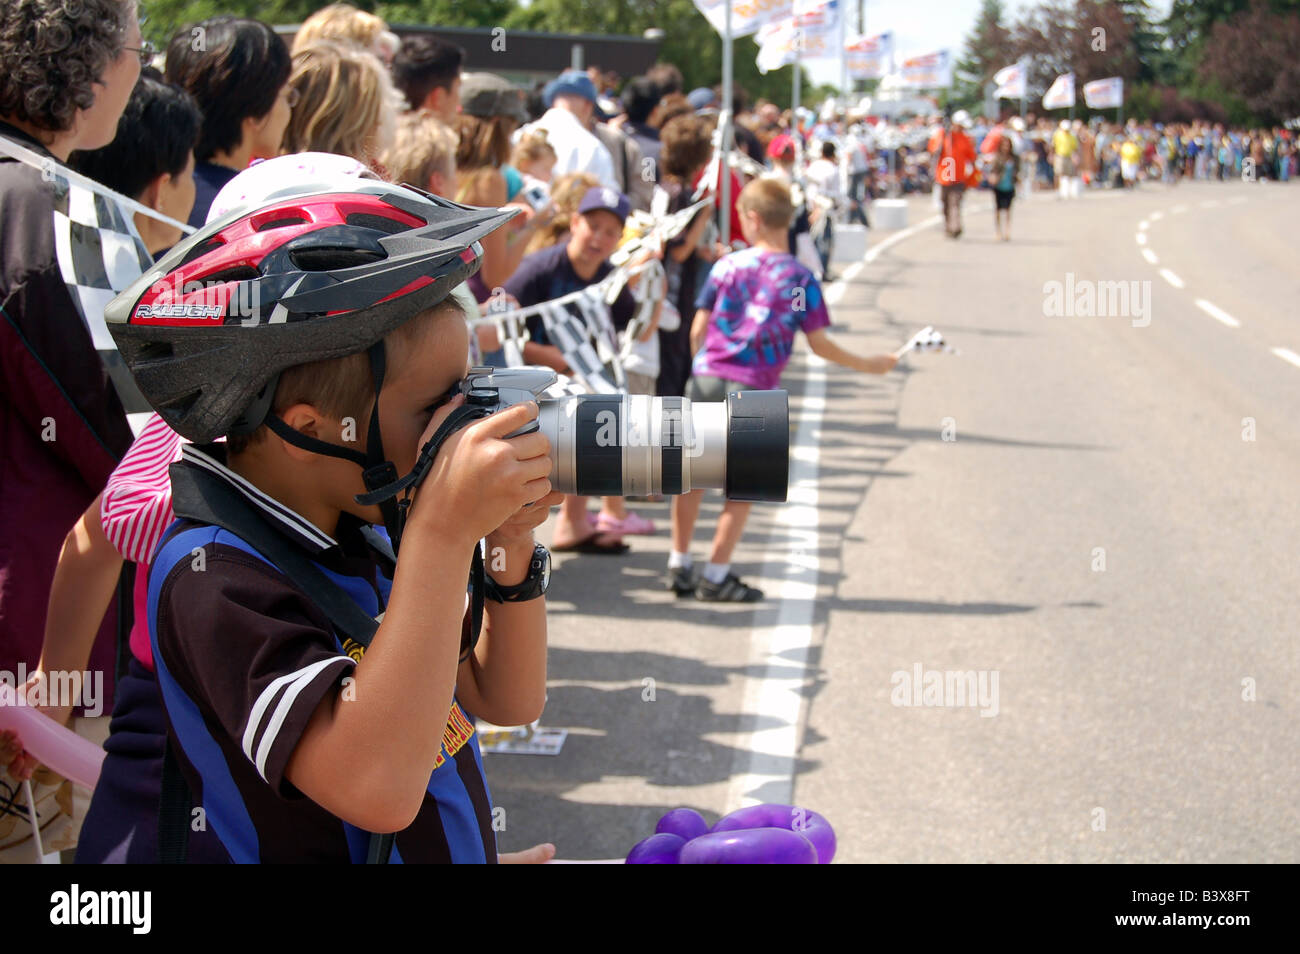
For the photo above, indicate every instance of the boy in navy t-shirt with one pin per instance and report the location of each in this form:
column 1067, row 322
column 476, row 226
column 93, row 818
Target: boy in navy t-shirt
column 297, row 741
column 748, row 313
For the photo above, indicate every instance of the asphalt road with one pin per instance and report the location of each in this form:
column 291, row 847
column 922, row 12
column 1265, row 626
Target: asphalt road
column 1094, row 515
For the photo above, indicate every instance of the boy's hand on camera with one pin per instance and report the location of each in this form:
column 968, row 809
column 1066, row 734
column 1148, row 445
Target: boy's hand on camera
column 479, row 478
column 519, row 528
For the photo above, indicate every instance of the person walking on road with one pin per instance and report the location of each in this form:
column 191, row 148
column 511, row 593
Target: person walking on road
column 1004, row 171
column 1066, row 147
column 954, row 157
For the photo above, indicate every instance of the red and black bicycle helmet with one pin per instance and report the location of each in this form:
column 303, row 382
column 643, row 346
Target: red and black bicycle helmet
column 207, row 331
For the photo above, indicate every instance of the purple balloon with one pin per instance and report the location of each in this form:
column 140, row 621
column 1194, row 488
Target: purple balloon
column 660, row 849
column 755, row 846
column 809, row 824
column 685, row 822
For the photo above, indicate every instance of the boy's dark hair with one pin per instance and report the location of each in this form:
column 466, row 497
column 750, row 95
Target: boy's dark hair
column 423, row 64
column 667, row 77
column 344, row 387
column 739, row 100
column 640, row 97
column 234, row 74
column 155, row 136
column 54, row 52
column 687, row 146
column 828, row 150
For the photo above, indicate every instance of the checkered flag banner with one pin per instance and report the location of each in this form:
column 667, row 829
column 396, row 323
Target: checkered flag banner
column 647, row 293
column 928, row 338
column 656, row 228
column 584, row 341
column 579, row 325
column 100, row 253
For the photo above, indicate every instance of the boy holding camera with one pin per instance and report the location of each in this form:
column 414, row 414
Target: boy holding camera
column 747, row 315
column 302, row 729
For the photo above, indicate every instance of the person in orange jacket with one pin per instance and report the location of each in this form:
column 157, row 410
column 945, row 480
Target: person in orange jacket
column 954, row 166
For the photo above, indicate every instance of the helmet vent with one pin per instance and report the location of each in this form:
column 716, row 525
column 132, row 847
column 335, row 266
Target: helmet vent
column 155, row 351
column 281, row 222
column 379, row 223
column 179, row 408
column 240, row 273
column 332, row 259
column 199, row 250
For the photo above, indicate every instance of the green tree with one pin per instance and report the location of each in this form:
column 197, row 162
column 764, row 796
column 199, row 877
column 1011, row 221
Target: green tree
column 167, row 16
column 988, row 49
column 689, row 42
column 1254, row 54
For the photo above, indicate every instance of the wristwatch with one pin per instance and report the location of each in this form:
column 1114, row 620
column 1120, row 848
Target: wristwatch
column 533, row 586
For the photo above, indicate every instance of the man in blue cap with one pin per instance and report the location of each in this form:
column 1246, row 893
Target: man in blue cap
column 570, row 104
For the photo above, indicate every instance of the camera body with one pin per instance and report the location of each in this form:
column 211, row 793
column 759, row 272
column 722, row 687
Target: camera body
column 495, row 389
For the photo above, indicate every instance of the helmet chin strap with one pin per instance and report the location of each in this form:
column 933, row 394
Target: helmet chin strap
column 383, row 484
column 377, row 470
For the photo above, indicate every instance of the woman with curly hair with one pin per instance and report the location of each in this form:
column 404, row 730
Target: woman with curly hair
column 239, row 77
column 69, row 68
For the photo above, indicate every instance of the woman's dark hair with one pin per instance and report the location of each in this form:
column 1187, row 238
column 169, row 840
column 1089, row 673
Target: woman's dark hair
column 234, row 68
column 640, row 97
column 687, row 146
column 154, row 137
column 828, row 150
column 54, row 51
column 423, row 64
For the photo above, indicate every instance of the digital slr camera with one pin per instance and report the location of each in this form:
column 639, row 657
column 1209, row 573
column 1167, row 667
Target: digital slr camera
column 633, row 445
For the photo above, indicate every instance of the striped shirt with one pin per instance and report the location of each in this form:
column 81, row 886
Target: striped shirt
column 135, row 509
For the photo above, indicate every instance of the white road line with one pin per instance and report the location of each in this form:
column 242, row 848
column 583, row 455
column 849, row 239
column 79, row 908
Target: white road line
column 1288, row 356
column 1236, row 200
column 1157, row 216
column 1143, row 225
column 1178, row 209
column 1141, row 238
column 769, row 757
column 1217, row 313
column 1150, row 256
column 1210, row 204
column 1171, row 278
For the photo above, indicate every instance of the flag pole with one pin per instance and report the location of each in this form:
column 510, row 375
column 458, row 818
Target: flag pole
column 798, row 55
column 724, row 147
column 844, row 54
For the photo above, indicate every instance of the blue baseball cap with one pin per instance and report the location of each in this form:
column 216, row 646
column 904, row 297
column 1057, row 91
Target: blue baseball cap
column 702, row 98
column 570, row 83
column 602, row 198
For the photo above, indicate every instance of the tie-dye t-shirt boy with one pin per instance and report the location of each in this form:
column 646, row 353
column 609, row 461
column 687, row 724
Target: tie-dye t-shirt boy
column 759, row 299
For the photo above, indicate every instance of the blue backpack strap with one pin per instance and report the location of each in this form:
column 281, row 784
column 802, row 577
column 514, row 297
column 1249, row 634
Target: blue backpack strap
column 204, row 497
column 175, row 803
